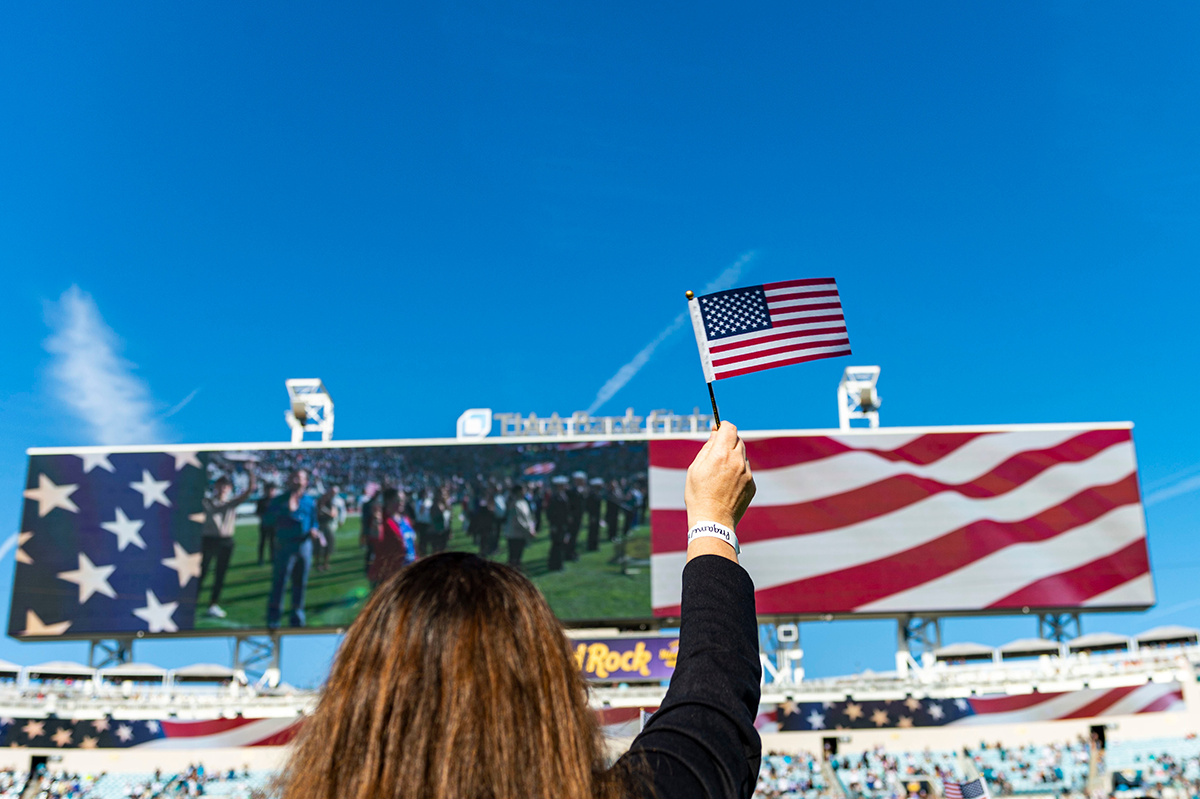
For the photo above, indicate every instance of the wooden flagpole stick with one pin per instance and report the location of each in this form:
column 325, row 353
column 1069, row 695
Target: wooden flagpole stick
column 711, row 396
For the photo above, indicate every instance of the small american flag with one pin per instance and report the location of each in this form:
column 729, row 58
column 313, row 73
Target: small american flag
column 776, row 324
column 975, row 789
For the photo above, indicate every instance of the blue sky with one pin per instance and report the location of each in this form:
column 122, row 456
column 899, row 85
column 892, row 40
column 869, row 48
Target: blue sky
column 447, row 205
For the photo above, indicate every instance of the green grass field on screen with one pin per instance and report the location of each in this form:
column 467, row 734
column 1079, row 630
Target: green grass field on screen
column 588, row 589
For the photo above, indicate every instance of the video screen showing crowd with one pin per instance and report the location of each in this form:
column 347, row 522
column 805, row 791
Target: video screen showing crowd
column 324, row 526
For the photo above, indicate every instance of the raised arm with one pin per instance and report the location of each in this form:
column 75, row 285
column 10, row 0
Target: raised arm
column 702, row 741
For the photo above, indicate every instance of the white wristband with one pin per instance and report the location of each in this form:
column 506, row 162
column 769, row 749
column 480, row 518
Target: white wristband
column 714, row 530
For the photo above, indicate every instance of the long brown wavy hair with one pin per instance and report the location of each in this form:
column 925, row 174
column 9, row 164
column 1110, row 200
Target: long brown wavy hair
column 455, row 682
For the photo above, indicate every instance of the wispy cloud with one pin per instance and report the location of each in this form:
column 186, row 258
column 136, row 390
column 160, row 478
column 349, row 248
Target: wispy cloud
column 92, row 379
column 1170, row 610
column 727, row 279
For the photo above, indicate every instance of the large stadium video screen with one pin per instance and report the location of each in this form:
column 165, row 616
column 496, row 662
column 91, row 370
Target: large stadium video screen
column 928, row 520
column 160, row 542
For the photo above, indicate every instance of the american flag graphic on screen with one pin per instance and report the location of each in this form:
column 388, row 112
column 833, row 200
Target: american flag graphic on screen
column 760, row 327
column 109, row 542
column 958, row 519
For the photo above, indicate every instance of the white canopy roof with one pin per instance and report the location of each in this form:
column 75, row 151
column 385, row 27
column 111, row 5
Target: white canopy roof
column 8, row 668
column 130, row 670
column 963, row 650
column 1170, row 632
column 205, row 671
column 62, row 667
column 1032, row 646
column 1098, row 641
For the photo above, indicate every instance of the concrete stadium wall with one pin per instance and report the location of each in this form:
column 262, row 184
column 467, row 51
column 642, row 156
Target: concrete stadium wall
column 97, row 761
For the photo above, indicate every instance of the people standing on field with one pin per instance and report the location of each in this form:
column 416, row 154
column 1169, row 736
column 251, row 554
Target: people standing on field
column 482, row 523
column 328, row 520
column 266, row 532
column 397, row 543
column 294, row 515
column 592, row 505
column 575, row 494
column 216, row 544
column 558, row 514
column 519, row 528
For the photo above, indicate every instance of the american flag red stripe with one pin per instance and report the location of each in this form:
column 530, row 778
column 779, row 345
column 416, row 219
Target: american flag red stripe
column 1086, row 703
column 776, row 324
column 891, row 522
column 1146, row 697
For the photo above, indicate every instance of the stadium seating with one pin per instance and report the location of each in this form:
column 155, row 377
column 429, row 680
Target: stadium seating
column 878, row 774
column 794, row 776
column 1171, row 765
column 12, row 783
column 143, row 785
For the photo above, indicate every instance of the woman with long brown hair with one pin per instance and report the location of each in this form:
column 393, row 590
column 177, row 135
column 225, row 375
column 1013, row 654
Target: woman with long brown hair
column 457, row 681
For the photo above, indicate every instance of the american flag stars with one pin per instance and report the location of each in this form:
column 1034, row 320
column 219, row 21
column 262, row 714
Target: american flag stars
column 909, row 712
column 753, row 328
column 50, row 496
column 110, row 543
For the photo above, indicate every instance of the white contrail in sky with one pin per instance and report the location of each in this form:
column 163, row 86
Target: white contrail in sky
column 9, row 545
column 1182, row 487
column 725, row 280
column 179, row 406
column 92, row 379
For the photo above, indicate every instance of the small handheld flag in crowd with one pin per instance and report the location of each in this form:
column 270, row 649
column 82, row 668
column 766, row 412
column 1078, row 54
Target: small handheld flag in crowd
column 749, row 329
column 975, row 789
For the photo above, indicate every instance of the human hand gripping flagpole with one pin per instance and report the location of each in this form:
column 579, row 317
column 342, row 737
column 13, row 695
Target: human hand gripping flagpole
column 749, row 329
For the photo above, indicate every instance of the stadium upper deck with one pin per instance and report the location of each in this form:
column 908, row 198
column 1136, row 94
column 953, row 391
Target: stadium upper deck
column 207, row 691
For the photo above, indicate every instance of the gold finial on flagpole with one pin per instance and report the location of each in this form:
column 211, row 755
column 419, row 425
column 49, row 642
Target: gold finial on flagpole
column 689, row 295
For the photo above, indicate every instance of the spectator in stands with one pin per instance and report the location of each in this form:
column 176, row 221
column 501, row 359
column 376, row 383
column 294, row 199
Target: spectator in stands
column 293, row 514
column 216, row 544
column 266, row 532
column 457, row 681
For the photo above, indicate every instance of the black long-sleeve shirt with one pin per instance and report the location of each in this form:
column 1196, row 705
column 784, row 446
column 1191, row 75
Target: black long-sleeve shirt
column 702, row 741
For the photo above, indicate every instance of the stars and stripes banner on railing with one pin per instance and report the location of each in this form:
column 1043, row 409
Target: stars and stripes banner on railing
column 925, row 520
column 974, row 711
column 110, row 733
column 760, row 327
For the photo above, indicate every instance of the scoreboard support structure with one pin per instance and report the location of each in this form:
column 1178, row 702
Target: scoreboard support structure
column 1059, row 626
column 258, row 656
column 915, row 637
column 107, row 652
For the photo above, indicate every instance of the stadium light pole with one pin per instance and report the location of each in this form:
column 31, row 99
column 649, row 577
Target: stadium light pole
column 310, row 408
column 857, row 396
